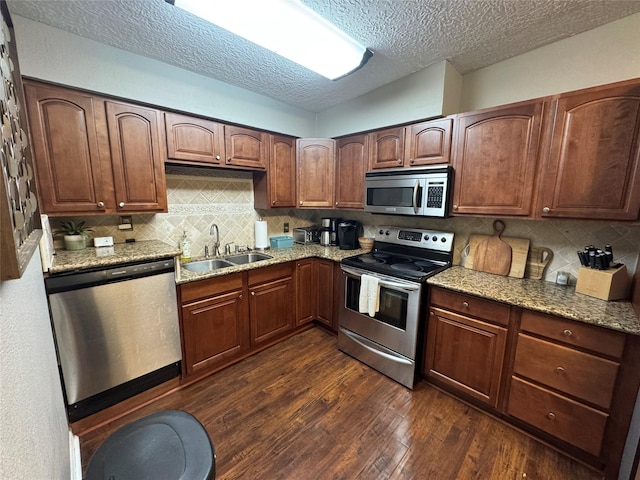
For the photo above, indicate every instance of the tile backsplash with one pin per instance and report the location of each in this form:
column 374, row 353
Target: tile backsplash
column 200, row 198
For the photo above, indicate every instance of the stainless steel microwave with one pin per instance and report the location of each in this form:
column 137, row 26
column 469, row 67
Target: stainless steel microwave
column 423, row 192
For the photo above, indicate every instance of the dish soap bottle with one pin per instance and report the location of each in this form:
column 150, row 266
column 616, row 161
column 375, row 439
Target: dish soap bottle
column 185, row 246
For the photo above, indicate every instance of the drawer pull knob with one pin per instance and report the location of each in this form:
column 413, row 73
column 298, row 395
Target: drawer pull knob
column 121, row 204
column 465, row 304
column 559, row 369
column 546, row 209
column 100, row 204
column 431, row 314
column 567, row 333
column 551, row 416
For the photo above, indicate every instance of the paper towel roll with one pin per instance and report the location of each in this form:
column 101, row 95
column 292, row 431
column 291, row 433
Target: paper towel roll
column 261, row 234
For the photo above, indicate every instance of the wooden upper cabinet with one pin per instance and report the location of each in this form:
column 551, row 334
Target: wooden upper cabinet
column 495, row 157
column 277, row 186
column 593, row 166
column 315, row 167
column 282, row 171
column 73, row 169
column 194, row 141
column 245, row 148
column 428, row 143
column 137, row 157
column 352, row 154
column 386, row 148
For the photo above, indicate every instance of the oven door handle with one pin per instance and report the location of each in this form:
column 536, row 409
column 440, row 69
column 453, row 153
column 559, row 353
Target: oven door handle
column 385, row 283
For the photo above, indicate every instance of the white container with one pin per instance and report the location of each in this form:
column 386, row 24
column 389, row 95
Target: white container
column 261, row 238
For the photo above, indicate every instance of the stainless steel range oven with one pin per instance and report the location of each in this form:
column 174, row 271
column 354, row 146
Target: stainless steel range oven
column 381, row 317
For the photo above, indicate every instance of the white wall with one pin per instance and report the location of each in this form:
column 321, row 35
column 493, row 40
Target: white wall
column 51, row 54
column 606, row 54
column 34, row 438
column 417, row 96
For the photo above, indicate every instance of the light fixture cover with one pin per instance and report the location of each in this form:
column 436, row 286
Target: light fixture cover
column 288, row 28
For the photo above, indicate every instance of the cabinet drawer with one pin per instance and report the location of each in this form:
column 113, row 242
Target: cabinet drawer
column 577, row 373
column 470, row 305
column 597, row 339
column 268, row 274
column 570, row 421
column 209, row 287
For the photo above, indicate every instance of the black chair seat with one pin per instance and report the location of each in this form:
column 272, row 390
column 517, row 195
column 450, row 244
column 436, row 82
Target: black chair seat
column 168, row 445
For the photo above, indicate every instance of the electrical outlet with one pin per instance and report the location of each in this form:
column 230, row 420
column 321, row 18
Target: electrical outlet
column 286, row 227
column 126, row 223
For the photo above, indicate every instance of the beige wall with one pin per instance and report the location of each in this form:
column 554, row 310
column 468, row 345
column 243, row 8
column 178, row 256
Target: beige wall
column 606, row 54
column 34, row 436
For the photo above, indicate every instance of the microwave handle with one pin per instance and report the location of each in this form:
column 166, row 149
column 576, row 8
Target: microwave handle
column 416, row 189
column 384, row 283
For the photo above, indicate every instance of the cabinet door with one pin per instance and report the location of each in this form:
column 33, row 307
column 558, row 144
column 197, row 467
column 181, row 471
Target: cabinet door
column 593, row 168
column 282, row 171
column 324, row 289
column 74, row 174
column 315, row 164
column 245, row 148
column 137, row 158
column 352, row 154
column 429, row 143
column 214, row 330
column 193, row 141
column 465, row 354
column 306, row 290
column 386, row 148
column 495, row 156
column 271, row 309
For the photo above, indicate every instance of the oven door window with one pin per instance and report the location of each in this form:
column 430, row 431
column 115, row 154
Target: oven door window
column 393, row 303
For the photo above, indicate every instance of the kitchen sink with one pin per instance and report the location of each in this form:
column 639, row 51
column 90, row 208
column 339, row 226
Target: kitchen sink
column 207, row 265
column 247, row 258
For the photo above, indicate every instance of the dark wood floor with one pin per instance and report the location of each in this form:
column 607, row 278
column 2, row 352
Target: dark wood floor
column 304, row 410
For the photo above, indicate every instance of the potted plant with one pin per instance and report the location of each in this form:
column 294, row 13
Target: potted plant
column 75, row 234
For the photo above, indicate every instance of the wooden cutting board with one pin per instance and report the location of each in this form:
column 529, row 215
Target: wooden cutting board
column 493, row 255
column 519, row 252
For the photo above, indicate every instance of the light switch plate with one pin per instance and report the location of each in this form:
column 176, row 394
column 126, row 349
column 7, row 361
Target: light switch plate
column 103, row 242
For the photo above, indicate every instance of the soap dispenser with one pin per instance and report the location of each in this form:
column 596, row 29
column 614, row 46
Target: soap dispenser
column 185, row 246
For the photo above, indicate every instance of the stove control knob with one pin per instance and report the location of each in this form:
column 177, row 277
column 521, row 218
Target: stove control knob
column 434, row 238
column 426, row 238
column 443, row 239
column 381, row 231
column 387, row 233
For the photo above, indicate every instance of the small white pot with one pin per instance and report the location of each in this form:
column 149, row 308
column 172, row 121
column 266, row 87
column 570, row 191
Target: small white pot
column 75, row 242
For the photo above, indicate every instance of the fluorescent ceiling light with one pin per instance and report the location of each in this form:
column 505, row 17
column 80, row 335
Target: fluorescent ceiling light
column 288, row 28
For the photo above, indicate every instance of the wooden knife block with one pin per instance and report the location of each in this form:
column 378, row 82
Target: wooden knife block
column 612, row 284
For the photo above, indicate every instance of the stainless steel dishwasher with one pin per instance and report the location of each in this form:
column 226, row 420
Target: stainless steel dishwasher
column 116, row 331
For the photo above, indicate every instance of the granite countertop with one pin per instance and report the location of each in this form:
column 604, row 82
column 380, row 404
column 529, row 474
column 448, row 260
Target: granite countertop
column 72, row 260
column 541, row 296
column 280, row 255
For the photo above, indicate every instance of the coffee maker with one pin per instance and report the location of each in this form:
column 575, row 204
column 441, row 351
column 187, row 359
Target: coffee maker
column 329, row 231
column 348, row 233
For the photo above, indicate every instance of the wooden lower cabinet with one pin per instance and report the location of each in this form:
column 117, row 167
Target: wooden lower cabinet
column 214, row 322
column 324, row 291
column 271, row 302
column 466, row 354
column 569, row 383
column 315, row 291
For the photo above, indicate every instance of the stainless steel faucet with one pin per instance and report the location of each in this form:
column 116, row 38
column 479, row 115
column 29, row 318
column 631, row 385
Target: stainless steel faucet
column 216, row 244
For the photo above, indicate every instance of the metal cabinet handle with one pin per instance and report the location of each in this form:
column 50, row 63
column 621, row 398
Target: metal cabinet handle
column 400, row 162
column 240, row 297
column 253, row 293
column 121, row 204
column 567, row 333
column 300, row 202
column 559, row 369
column 465, row 304
column 217, row 157
column 546, row 209
column 455, row 207
column 100, row 204
column 551, row 416
column 336, row 204
column 273, row 202
column 431, row 313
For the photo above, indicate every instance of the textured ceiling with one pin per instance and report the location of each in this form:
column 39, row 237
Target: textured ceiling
column 405, row 36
